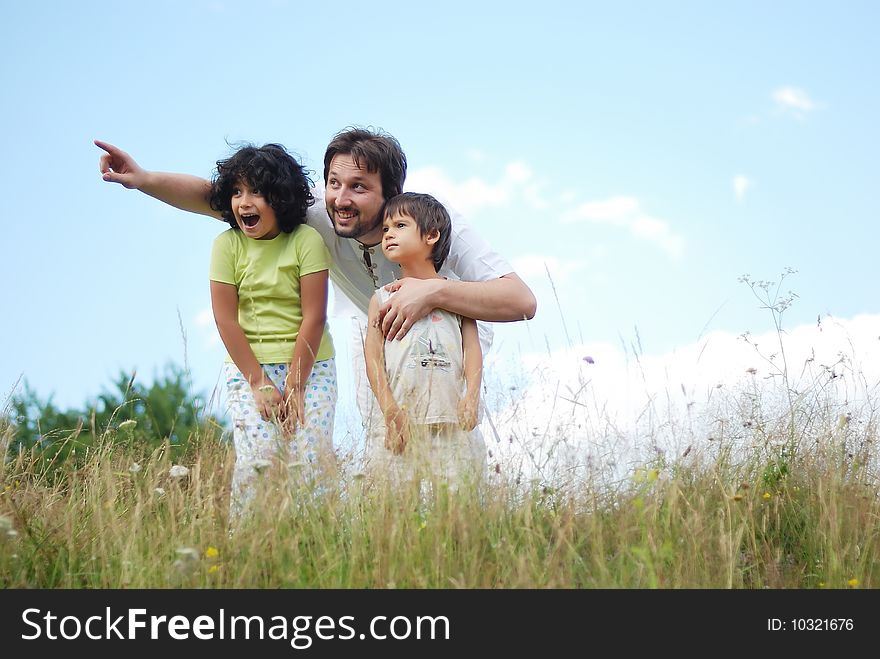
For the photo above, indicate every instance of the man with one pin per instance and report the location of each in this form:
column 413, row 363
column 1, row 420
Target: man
column 362, row 169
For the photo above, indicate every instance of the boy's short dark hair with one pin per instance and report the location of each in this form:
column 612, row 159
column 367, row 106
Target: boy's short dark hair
column 429, row 214
column 271, row 170
column 374, row 150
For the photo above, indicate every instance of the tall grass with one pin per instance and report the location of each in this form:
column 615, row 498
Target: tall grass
column 777, row 488
column 119, row 519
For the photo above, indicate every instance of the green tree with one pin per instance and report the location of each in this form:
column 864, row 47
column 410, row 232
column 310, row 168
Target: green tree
column 165, row 411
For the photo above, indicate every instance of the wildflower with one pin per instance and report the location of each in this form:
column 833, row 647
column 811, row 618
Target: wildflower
column 423, row 524
column 134, row 468
column 213, row 569
column 159, row 491
column 128, row 424
column 189, row 557
column 212, row 552
column 261, row 465
column 188, row 554
column 589, row 360
column 766, row 496
column 178, row 471
column 852, row 583
column 821, row 584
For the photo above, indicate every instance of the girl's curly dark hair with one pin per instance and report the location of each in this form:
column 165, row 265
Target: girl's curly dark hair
column 271, row 170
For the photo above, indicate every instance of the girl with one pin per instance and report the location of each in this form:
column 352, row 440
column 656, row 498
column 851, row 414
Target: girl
column 269, row 295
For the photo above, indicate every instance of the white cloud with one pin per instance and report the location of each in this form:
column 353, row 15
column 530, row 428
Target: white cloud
column 793, row 98
column 626, row 212
column 204, row 321
column 518, row 172
column 517, row 184
column 607, row 407
column 204, row 318
column 741, row 184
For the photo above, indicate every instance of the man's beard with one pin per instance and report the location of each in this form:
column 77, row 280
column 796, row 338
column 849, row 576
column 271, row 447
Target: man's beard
column 357, row 229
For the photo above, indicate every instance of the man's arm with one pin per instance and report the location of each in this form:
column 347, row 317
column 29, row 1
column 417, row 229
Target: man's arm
column 504, row 299
column 184, row 191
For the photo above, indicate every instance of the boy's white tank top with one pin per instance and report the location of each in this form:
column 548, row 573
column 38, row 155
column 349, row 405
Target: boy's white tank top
column 425, row 368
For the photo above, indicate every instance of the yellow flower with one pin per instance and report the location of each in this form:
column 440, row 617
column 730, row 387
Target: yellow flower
column 766, row 496
column 821, row 584
column 213, row 569
column 212, row 552
column 852, row 583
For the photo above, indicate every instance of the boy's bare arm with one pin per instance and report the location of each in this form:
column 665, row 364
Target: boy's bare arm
column 473, row 374
column 374, row 355
column 503, row 299
column 184, row 191
column 224, row 302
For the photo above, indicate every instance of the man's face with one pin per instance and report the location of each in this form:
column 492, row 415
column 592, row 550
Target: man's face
column 353, row 198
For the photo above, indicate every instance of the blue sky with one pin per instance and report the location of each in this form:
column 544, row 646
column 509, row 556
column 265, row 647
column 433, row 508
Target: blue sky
column 644, row 154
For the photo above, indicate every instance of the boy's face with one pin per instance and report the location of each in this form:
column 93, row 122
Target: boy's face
column 402, row 240
column 353, row 198
column 253, row 214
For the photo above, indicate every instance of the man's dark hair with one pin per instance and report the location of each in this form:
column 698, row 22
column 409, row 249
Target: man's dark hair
column 373, row 150
column 429, row 215
column 272, row 171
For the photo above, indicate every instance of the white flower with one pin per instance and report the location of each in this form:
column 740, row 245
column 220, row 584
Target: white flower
column 128, row 423
column 134, row 468
column 187, row 561
column 261, row 465
column 188, row 554
column 178, row 471
column 159, row 491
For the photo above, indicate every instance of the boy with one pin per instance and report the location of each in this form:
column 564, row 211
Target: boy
column 427, row 383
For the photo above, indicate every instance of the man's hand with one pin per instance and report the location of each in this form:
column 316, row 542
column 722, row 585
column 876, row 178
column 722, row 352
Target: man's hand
column 396, row 431
column 412, row 300
column 119, row 167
